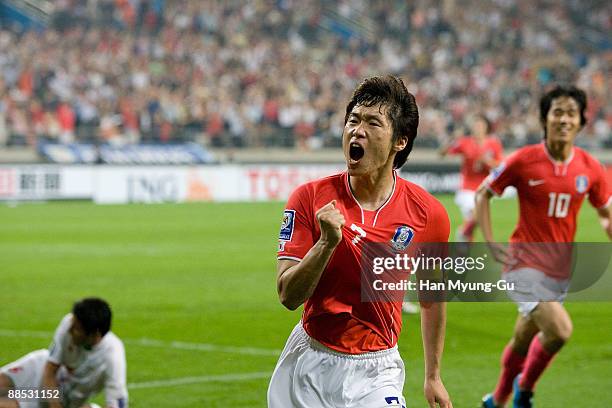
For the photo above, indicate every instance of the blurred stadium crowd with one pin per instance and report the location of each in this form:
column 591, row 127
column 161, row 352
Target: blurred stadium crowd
column 278, row 73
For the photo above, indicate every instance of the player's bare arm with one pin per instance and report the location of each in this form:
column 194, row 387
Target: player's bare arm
column 483, row 211
column 483, row 217
column 50, row 382
column 297, row 281
column 445, row 145
column 605, row 219
column 433, row 324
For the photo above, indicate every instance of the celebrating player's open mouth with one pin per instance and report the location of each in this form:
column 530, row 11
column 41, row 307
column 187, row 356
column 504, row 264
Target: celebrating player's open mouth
column 356, row 152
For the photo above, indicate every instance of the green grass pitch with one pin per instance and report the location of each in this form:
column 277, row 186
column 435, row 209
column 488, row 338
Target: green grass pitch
column 193, row 292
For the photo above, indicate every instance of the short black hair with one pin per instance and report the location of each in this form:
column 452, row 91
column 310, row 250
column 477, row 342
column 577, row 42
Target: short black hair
column 402, row 110
column 94, row 314
column 559, row 91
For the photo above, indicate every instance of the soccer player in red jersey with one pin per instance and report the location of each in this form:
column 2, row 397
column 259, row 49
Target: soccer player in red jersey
column 480, row 153
column 343, row 352
column 552, row 180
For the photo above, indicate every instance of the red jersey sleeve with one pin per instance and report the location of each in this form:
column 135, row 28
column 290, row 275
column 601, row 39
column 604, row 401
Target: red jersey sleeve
column 436, row 234
column 503, row 175
column 599, row 193
column 297, row 232
column 438, row 224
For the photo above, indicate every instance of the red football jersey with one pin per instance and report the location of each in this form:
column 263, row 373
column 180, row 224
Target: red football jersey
column 335, row 315
column 473, row 173
column 550, row 196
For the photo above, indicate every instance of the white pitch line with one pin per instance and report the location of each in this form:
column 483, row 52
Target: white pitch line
column 181, row 345
column 26, row 333
column 145, row 342
column 199, row 380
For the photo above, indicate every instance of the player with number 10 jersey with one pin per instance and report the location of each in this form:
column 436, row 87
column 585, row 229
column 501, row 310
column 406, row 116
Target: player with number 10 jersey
column 550, row 196
column 552, row 180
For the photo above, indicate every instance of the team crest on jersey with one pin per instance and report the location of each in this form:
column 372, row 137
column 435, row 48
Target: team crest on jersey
column 402, row 238
column 286, row 231
column 582, row 183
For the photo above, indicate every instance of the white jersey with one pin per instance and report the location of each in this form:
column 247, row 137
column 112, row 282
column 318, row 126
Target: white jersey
column 84, row 373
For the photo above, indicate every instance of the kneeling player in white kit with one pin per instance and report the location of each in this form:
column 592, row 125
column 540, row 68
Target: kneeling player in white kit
column 84, row 359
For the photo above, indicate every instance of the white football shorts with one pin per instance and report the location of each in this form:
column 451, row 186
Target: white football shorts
column 26, row 373
column 465, row 200
column 532, row 286
column 309, row 374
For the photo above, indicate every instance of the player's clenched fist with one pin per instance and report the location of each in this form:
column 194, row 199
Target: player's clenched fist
column 331, row 222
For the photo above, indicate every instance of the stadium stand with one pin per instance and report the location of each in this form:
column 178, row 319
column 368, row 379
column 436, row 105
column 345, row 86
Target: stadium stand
column 261, row 74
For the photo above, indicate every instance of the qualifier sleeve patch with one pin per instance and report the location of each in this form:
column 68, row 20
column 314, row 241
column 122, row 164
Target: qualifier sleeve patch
column 286, row 231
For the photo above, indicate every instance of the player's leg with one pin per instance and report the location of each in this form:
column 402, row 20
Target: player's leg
column 469, row 217
column 512, row 360
column 376, row 382
column 25, row 373
column 525, row 330
column 555, row 327
column 553, row 323
column 6, row 384
column 469, row 227
column 465, row 200
column 281, row 391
